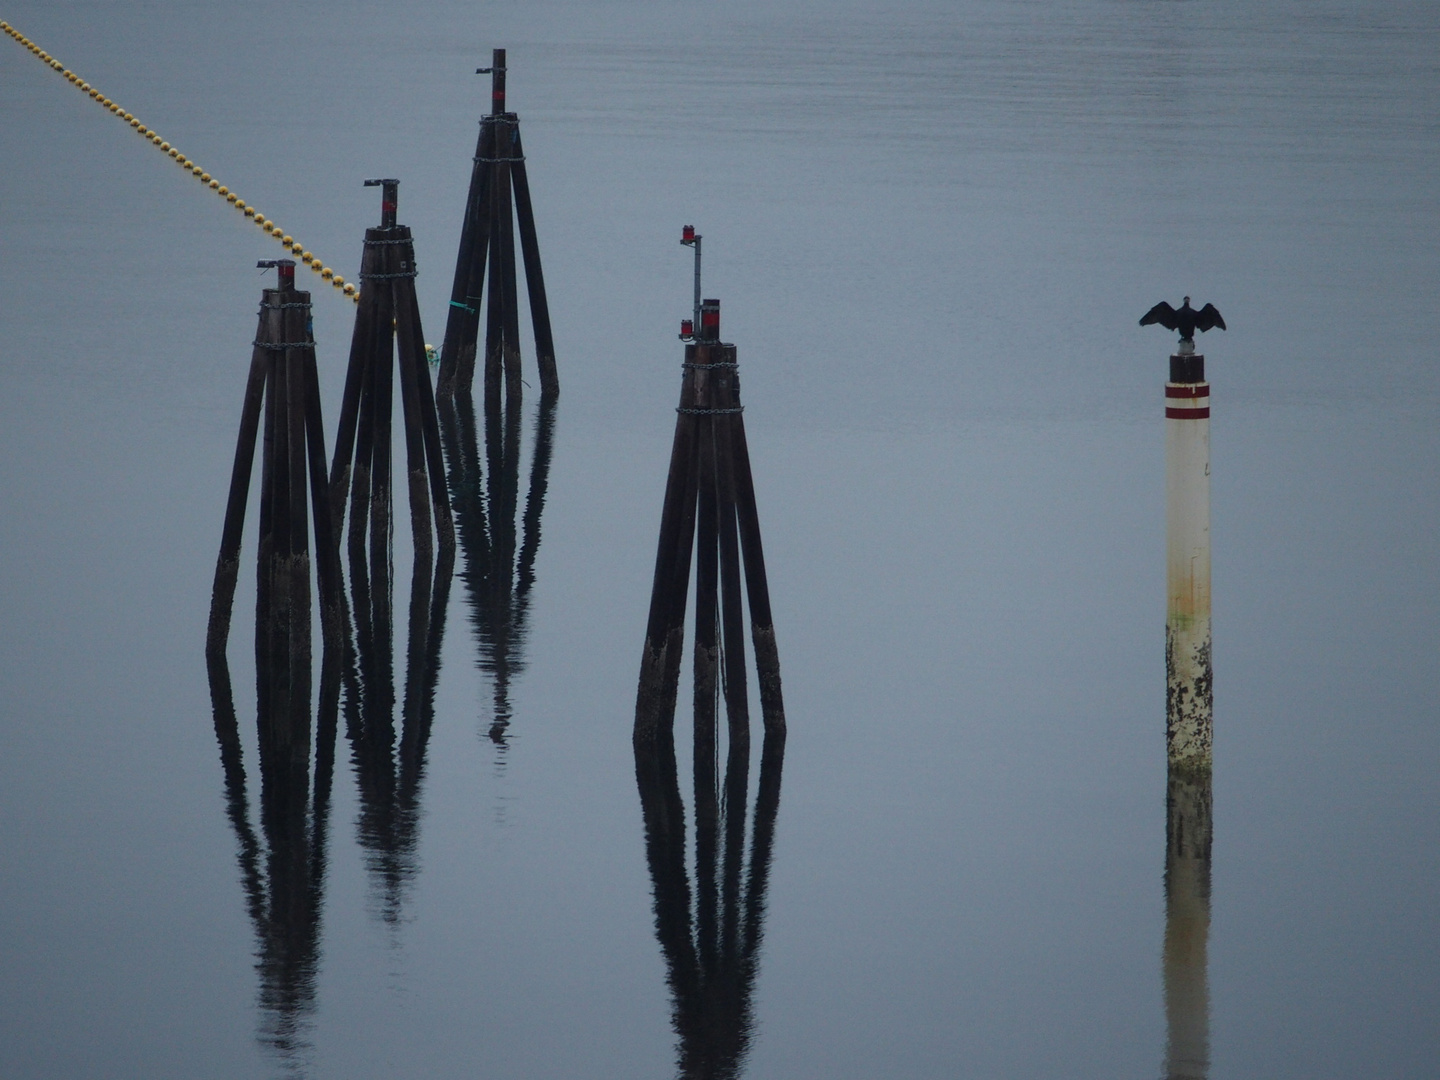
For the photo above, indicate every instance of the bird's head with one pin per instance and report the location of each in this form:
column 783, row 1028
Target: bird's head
column 1186, row 301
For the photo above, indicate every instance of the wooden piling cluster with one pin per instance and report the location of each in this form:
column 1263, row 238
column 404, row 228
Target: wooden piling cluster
column 387, row 323
column 487, row 243
column 283, row 387
column 709, row 510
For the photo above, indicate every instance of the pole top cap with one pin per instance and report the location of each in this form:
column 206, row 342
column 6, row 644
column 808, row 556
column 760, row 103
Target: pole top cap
column 1187, row 367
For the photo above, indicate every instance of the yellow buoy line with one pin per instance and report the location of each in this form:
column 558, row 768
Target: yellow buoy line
column 184, row 162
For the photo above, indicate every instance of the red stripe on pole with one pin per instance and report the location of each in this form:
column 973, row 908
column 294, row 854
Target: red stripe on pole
column 1189, row 391
column 1188, row 414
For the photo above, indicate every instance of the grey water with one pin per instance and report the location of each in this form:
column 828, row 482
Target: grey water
column 933, row 227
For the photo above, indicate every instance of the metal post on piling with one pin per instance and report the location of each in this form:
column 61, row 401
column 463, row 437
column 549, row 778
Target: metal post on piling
column 690, row 238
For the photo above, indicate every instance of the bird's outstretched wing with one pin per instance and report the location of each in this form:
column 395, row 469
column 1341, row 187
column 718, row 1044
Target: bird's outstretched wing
column 1209, row 317
column 1163, row 314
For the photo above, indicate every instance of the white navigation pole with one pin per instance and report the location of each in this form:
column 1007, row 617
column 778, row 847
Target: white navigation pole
column 1189, row 700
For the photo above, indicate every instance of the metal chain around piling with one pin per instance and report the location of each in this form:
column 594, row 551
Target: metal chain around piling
column 286, row 240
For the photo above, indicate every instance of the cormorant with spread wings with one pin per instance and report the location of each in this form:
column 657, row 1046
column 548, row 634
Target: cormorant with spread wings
column 1187, row 320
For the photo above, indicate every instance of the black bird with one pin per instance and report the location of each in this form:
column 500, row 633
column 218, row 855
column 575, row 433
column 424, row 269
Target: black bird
column 1187, row 320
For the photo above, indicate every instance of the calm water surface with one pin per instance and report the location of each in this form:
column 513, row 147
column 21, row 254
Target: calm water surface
column 933, row 227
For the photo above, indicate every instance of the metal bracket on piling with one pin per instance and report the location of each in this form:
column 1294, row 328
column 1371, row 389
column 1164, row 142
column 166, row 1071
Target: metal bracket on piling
column 285, row 270
column 389, row 200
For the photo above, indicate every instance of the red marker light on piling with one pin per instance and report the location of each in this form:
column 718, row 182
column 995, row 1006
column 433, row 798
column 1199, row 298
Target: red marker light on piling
column 710, row 320
column 687, row 330
column 690, row 238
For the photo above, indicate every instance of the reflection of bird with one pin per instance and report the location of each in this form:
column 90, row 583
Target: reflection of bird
column 1187, row 320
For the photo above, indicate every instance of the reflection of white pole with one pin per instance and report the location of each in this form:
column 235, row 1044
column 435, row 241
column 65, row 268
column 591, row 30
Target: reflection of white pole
column 1189, row 701
column 1187, row 926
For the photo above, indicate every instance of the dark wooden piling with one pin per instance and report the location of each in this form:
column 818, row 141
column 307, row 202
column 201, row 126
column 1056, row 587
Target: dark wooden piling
column 283, row 388
column 664, row 632
column 389, row 343
column 327, row 553
column 710, row 505
column 356, row 373
column 762, row 622
column 462, row 324
column 707, row 582
column 534, row 275
column 497, row 202
column 227, row 565
column 270, row 591
column 411, row 351
column 505, row 222
column 296, row 316
column 737, row 703
column 706, row 661
column 382, row 383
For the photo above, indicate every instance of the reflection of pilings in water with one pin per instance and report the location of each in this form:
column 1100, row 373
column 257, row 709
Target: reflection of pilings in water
column 284, row 878
column 1188, row 834
column 390, row 768
column 711, row 953
column 500, row 552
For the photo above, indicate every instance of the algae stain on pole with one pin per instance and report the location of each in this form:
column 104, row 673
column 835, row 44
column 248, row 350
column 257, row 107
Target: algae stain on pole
column 1189, row 698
